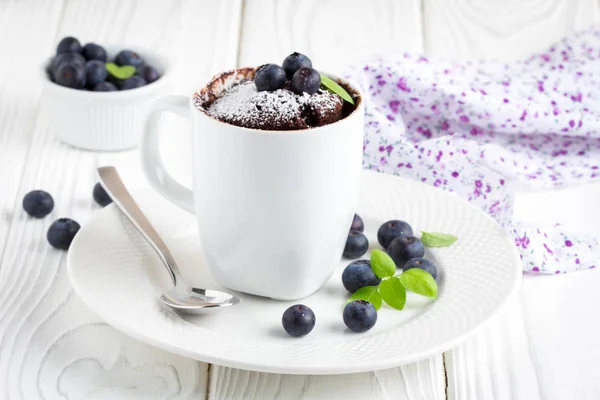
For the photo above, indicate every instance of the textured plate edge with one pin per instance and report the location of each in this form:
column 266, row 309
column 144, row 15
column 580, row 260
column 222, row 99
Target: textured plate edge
column 302, row 370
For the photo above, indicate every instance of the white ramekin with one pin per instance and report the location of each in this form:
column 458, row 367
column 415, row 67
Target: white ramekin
column 104, row 121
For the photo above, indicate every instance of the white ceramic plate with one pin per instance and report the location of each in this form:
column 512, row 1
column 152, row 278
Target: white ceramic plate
column 118, row 276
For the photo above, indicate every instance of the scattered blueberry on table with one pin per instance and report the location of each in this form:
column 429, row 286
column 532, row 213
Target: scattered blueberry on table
column 62, row 232
column 134, row 82
column 100, row 195
column 95, row 73
column 359, row 274
column 68, row 45
column 92, row 51
column 38, row 203
column 403, row 248
column 360, row 315
column 390, row 230
column 88, row 68
column 357, row 245
column 128, row 57
column 298, row 320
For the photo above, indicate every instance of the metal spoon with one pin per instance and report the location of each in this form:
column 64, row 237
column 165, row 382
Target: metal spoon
column 182, row 297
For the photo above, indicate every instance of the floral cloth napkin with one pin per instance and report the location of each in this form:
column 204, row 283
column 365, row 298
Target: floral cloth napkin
column 483, row 129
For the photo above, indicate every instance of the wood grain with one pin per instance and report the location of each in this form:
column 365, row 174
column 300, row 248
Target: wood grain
column 51, row 345
column 502, row 29
column 542, row 346
column 424, row 380
column 332, row 33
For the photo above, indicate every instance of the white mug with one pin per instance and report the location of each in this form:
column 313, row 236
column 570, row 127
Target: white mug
column 273, row 207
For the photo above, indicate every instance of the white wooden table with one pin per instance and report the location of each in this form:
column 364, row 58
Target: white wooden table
column 544, row 345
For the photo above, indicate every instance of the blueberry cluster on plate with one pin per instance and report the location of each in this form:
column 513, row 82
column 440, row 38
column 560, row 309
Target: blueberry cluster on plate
column 39, row 203
column 87, row 68
column 374, row 281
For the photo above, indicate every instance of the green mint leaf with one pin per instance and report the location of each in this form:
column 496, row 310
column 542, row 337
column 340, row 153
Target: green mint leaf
column 393, row 293
column 419, row 281
column 368, row 293
column 124, row 72
column 437, row 239
column 382, row 265
column 334, row 88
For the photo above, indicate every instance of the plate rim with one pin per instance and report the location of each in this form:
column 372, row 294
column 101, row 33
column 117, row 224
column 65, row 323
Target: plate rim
column 302, row 369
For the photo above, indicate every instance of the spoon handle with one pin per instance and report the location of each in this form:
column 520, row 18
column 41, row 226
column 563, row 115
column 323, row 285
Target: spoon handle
column 112, row 183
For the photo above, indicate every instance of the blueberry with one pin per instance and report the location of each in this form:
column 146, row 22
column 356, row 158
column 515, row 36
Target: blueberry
column 72, row 58
column 105, row 87
column 134, row 82
column 49, row 72
column 128, row 57
column 61, row 233
column 95, row 72
column 68, row 45
column 150, row 74
column 403, row 248
column 423, row 264
column 357, row 244
column 294, row 62
column 100, row 195
column 306, row 80
column 298, row 320
column 391, row 230
column 357, row 224
column 70, row 75
column 360, row 315
column 269, row 77
column 38, row 203
column 92, row 51
column 359, row 274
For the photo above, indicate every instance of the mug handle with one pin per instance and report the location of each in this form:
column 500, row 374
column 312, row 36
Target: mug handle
column 152, row 163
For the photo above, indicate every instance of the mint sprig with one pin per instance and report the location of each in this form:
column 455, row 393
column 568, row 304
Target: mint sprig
column 333, row 87
column 124, row 72
column 393, row 293
column 382, row 265
column 419, row 281
column 368, row 293
column 437, row 239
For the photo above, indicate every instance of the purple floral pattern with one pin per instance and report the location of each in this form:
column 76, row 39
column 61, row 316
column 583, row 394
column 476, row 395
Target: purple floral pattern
column 481, row 129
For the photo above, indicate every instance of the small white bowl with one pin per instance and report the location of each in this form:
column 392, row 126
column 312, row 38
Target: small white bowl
column 104, row 121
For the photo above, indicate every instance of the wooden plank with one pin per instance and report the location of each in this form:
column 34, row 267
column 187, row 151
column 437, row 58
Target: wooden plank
column 424, row 380
column 543, row 346
column 501, row 29
column 333, row 34
column 51, row 345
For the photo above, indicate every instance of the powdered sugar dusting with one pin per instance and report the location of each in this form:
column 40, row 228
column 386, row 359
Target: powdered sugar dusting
column 243, row 105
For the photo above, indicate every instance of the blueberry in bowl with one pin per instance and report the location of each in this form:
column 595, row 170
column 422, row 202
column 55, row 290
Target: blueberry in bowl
column 92, row 102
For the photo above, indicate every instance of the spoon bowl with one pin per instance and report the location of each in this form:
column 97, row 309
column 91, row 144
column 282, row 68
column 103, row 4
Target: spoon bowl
column 196, row 303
